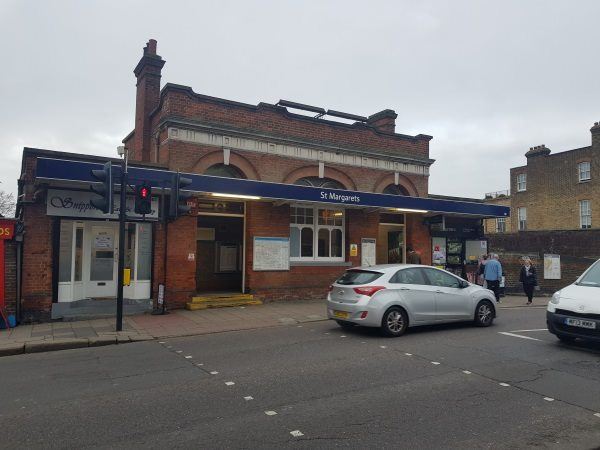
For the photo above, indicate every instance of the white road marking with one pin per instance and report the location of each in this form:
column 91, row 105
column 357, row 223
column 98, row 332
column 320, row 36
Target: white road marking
column 467, row 372
column 162, row 342
column 597, row 414
column 518, row 336
column 248, row 398
column 229, row 383
column 299, row 326
column 327, row 333
column 271, row 413
column 383, row 346
column 342, row 336
column 363, row 342
column 526, row 331
column 214, row 372
column 296, row 433
column 178, row 351
column 549, row 399
column 504, row 384
column 435, row 362
column 188, row 357
column 200, row 364
column 408, row 354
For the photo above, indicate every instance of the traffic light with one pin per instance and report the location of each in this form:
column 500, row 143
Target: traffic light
column 143, row 199
column 105, row 190
column 177, row 201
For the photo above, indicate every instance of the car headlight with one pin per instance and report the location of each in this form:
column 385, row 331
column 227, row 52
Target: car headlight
column 555, row 298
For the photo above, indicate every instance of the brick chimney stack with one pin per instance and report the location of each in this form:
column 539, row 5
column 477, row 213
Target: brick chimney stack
column 595, row 130
column 148, row 73
column 538, row 150
column 384, row 121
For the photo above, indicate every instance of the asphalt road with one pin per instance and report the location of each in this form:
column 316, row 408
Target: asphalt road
column 311, row 386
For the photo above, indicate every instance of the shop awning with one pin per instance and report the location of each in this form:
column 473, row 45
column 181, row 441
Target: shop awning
column 80, row 171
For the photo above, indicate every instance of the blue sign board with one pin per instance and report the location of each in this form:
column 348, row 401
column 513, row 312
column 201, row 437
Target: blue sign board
column 60, row 169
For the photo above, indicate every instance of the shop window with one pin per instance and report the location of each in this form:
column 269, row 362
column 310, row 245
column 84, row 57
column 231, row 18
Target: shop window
column 396, row 189
column 522, row 217
column 65, row 256
column 585, row 214
column 320, row 239
column 130, row 248
column 320, row 182
column 501, row 225
column 584, row 171
column 222, row 170
column 522, row 182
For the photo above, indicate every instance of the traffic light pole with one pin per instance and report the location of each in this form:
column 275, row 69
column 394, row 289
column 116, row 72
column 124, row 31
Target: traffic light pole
column 121, row 264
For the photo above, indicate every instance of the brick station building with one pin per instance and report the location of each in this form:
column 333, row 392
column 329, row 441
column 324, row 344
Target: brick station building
column 286, row 196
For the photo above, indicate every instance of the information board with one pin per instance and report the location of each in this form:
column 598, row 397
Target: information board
column 367, row 252
column 271, row 253
column 552, row 267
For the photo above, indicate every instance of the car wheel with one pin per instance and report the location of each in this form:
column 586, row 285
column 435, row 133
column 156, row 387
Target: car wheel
column 394, row 322
column 484, row 314
column 345, row 325
column 566, row 339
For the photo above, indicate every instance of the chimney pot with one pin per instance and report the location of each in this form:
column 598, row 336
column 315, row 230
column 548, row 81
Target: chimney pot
column 384, row 121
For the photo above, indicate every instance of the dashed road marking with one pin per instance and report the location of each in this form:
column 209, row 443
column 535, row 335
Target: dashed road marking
column 467, row 372
column 518, row 336
column 178, row 351
column 408, row 354
column 271, row 413
column 435, row 363
column 363, row 342
column 188, row 357
column 161, row 342
column 549, row 399
column 327, row 333
column 597, row 414
column 383, row 346
column 248, row 398
column 214, row 372
column 296, row 433
column 229, row 383
column 527, row 331
column 200, row 364
column 504, row 384
column 342, row 336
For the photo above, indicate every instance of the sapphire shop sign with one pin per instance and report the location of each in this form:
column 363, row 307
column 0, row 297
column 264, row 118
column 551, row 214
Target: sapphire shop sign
column 77, row 204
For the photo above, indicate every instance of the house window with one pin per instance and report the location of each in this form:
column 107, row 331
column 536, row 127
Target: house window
column 501, row 225
column 316, row 234
column 522, row 182
column 585, row 214
column 522, row 216
column 583, row 168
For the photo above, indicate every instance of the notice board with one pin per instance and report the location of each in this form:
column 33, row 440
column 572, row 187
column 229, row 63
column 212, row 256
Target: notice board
column 551, row 267
column 368, row 248
column 271, row 253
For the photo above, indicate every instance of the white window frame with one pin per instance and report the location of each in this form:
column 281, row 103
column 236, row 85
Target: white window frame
column 315, row 228
column 521, row 182
column 585, row 214
column 584, row 171
column 500, row 220
column 522, row 218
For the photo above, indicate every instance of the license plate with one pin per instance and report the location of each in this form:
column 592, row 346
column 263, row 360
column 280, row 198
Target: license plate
column 580, row 323
column 341, row 314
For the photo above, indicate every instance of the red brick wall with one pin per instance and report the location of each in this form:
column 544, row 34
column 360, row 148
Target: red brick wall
column 418, row 237
column 10, row 276
column 36, row 287
column 181, row 272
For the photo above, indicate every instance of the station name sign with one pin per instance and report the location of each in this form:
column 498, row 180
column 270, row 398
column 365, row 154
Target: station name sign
column 341, row 198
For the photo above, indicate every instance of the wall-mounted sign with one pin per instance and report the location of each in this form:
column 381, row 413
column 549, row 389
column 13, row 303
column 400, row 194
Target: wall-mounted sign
column 367, row 251
column 353, row 249
column 65, row 203
column 552, row 267
column 271, row 253
column 7, row 229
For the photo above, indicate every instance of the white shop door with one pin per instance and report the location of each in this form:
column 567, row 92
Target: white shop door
column 103, row 262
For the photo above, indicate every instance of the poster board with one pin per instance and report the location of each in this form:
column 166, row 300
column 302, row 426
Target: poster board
column 552, row 267
column 271, row 254
column 367, row 251
column 439, row 251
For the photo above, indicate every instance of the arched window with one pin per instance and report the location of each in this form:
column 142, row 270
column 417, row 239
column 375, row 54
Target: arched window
column 396, row 189
column 222, row 170
column 320, row 182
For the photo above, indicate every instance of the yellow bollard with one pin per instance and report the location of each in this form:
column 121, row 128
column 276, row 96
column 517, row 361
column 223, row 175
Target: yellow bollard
column 126, row 277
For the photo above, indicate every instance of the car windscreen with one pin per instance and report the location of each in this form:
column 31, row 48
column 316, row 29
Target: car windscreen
column 358, row 277
column 592, row 277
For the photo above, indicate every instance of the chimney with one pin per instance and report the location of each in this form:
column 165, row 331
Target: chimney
column 595, row 130
column 147, row 73
column 384, row 121
column 539, row 150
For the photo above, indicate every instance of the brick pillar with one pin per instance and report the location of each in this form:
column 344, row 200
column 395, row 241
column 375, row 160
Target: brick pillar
column 359, row 224
column 181, row 271
column 418, row 237
column 36, row 289
column 148, row 73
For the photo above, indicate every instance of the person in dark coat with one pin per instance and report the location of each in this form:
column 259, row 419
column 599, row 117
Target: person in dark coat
column 412, row 256
column 528, row 277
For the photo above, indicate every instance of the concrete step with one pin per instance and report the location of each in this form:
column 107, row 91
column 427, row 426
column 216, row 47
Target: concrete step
column 224, row 297
column 214, row 301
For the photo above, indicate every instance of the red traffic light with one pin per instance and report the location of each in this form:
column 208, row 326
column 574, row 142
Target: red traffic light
column 144, row 192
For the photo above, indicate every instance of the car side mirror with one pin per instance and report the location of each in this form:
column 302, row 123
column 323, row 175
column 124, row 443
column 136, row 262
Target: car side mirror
column 464, row 284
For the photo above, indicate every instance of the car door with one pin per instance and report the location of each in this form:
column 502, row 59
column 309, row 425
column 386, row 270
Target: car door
column 451, row 300
column 416, row 294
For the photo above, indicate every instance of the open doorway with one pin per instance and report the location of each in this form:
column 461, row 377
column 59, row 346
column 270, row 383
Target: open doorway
column 219, row 251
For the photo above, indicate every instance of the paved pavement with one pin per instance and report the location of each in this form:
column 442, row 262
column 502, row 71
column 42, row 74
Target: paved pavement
column 97, row 332
column 312, row 385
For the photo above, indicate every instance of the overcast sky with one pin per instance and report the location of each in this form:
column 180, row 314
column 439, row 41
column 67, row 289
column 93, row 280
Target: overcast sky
column 486, row 79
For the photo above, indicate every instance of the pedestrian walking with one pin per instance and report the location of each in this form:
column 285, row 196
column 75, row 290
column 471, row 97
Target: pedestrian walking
column 412, row 257
column 493, row 275
column 481, row 269
column 528, row 277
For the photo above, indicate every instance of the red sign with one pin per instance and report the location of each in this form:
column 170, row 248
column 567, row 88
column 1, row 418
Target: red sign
column 7, row 229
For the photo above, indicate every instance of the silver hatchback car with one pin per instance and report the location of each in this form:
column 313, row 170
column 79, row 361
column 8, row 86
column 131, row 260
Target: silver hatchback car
column 394, row 297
